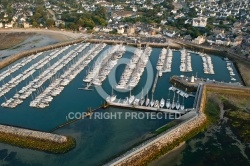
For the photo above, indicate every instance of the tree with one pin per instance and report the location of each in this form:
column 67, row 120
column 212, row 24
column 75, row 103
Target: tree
column 61, row 26
column 35, row 24
column 50, row 23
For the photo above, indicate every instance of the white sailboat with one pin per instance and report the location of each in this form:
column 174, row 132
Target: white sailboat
column 162, row 103
column 178, row 103
column 152, row 102
column 182, row 105
column 142, row 98
column 173, row 103
column 147, row 100
column 131, row 98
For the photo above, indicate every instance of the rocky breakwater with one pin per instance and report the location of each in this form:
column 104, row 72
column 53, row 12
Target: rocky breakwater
column 37, row 140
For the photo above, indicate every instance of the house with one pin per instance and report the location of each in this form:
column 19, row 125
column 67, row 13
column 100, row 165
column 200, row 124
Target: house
column 188, row 38
column 9, row 25
column 26, row 25
column 59, row 22
column 96, row 29
column 107, row 29
column 169, row 33
column 1, row 25
column 131, row 30
column 199, row 22
column 199, row 40
column 120, row 30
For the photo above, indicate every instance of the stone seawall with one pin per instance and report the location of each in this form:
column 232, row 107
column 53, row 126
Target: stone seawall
column 15, row 57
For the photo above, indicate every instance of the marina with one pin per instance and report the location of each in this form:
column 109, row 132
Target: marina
column 104, row 65
column 57, row 86
column 95, row 131
column 135, row 68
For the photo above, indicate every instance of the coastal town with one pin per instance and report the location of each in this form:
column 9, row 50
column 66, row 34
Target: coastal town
column 214, row 23
column 63, row 61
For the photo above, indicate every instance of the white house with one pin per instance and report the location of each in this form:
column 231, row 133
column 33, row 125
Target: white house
column 120, row 30
column 1, row 25
column 199, row 40
column 199, row 22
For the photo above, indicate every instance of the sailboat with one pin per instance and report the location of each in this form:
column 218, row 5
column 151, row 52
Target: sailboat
column 131, row 98
column 178, row 103
column 173, row 103
column 162, row 103
column 168, row 100
column 182, row 106
column 142, row 98
column 147, row 100
column 113, row 97
column 152, row 102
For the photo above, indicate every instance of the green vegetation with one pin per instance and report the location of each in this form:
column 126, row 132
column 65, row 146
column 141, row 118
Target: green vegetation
column 212, row 112
column 166, row 127
column 87, row 19
column 38, row 144
column 240, row 123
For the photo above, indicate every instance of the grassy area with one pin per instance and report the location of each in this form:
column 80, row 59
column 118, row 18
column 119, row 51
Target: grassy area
column 212, row 111
column 38, row 144
column 9, row 40
column 166, row 127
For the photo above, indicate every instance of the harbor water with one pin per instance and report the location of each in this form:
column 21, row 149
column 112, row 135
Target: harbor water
column 98, row 140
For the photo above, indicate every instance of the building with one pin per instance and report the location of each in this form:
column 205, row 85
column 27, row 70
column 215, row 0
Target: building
column 120, row 30
column 131, row 30
column 9, row 25
column 199, row 40
column 59, row 22
column 169, row 33
column 199, row 22
column 1, row 25
column 26, row 25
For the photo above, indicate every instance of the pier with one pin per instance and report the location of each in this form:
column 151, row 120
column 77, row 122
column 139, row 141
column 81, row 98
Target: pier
column 145, row 108
column 155, row 82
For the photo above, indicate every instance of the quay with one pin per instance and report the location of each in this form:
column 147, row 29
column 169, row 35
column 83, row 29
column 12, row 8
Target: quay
column 145, row 108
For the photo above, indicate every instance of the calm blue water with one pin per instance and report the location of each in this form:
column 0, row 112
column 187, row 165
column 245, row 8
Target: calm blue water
column 97, row 140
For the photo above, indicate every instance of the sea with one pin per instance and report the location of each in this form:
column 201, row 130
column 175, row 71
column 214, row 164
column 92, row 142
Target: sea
column 98, row 140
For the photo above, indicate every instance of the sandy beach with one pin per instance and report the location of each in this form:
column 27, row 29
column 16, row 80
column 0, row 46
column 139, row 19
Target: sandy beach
column 37, row 38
